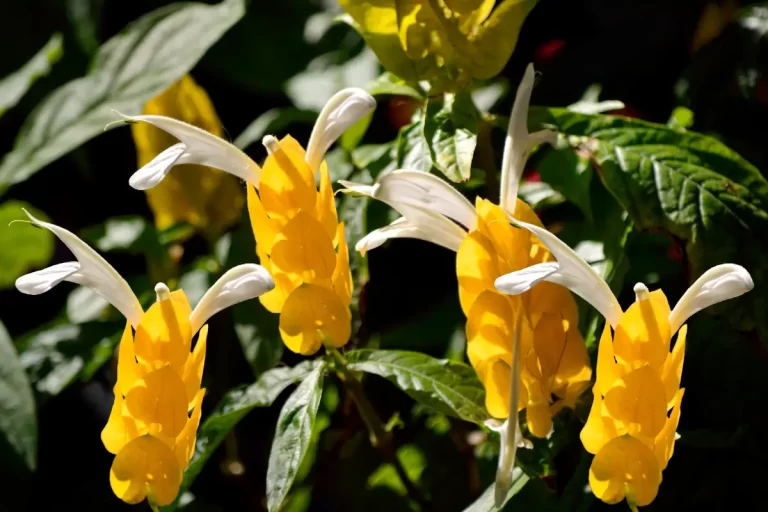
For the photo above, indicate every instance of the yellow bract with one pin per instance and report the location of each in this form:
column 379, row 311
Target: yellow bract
column 150, row 429
column 206, row 198
column 445, row 41
column 637, row 386
column 300, row 241
column 555, row 366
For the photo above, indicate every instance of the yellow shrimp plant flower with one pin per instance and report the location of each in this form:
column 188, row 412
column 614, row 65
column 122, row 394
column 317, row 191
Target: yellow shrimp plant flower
column 158, row 395
column 208, row 200
column 527, row 351
column 445, row 41
column 637, row 395
column 299, row 239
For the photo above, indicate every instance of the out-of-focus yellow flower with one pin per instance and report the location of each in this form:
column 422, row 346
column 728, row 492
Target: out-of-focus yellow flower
column 298, row 236
column 445, row 41
column 637, row 395
column 158, row 395
column 210, row 201
column 527, row 351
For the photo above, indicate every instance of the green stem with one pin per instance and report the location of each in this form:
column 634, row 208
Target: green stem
column 380, row 437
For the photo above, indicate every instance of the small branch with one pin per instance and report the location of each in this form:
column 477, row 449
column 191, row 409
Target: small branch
column 380, row 437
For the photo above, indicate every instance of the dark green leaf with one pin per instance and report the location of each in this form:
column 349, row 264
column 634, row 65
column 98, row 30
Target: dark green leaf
column 14, row 86
column 447, row 386
column 450, row 127
column 131, row 234
column 259, row 336
column 687, row 184
column 129, row 69
column 18, row 422
column 273, row 121
column 485, row 503
column 570, row 175
column 24, row 247
column 292, row 437
column 235, row 405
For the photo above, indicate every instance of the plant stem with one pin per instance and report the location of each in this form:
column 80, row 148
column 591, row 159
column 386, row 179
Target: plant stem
column 380, row 437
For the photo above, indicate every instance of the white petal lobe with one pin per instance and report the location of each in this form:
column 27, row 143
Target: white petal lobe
column 155, row 171
column 717, row 284
column 43, row 280
column 523, row 280
column 238, row 284
column 573, row 273
column 94, row 272
column 204, row 148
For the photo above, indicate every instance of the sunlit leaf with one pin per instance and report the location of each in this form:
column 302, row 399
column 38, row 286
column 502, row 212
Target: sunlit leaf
column 14, row 86
column 412, row 148
column 447, row 386
column 137, row 64
column 485, row 503
column 451, row 128
column 292, row 436
column 24, row 247
column 18, row 420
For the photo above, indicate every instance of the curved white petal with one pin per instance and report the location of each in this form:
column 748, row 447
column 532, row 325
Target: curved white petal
column 238, row 284
column 510, row 435
column 357, row 188
column 204, row 148
column 572, row 272
column 519, row 142
column 717, row 284
column 425, row 191
column 439, row 231
column 155, row 171
column 344, row 109
column 43, row 280
column 93, row 271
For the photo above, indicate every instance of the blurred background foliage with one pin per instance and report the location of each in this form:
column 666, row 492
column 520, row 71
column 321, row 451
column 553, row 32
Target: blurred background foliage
column 691, row 64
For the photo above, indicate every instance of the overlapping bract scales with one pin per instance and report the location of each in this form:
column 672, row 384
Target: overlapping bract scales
column 301, row 242
column 555, row 365
column 636, row 408
column 158, row 399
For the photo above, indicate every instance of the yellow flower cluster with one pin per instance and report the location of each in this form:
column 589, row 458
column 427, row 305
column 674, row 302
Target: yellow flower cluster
column 446, row 41
column 555, row 365
column 208, row 199
column 150, row 429
column 300, row 241
column 637, row 385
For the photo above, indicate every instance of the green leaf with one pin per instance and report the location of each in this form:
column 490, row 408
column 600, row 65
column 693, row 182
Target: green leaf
column 450, row 127
column 18, row 422
column 14, row 86
column 132, row 234
column 24, row 246
column 235, row 405
column 292, row 437
column 412, row 148
column 447, row 386
column 687, row 184
column 134, row 66
column 570, row 175
column 540, row 195
column 485, row 503
column 355, row 133
column 259, row 336
column 273, row 121
column 388, row 83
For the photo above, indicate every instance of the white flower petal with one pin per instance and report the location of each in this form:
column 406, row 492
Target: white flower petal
column 155, row 171
column 344, row 109
column 425, row 191
column 525, row 279
column 204, row 148
column 438, row 230
column 238, row 284
column 717, row 284
column 357, row 188
column 43, row 280
column 572, row 272
column 93, row 272
column 519, row 142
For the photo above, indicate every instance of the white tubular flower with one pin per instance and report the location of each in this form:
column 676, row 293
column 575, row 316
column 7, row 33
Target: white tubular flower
column 344, row 109
column 238, row 284
column 717, row 284
column 519, row 142
column 196, row 147
column 89, row 270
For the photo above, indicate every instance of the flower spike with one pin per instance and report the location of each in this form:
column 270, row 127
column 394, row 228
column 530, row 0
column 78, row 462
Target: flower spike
column 569, row 271
column 197, row 147
column 89, row 270
column 519, row 142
